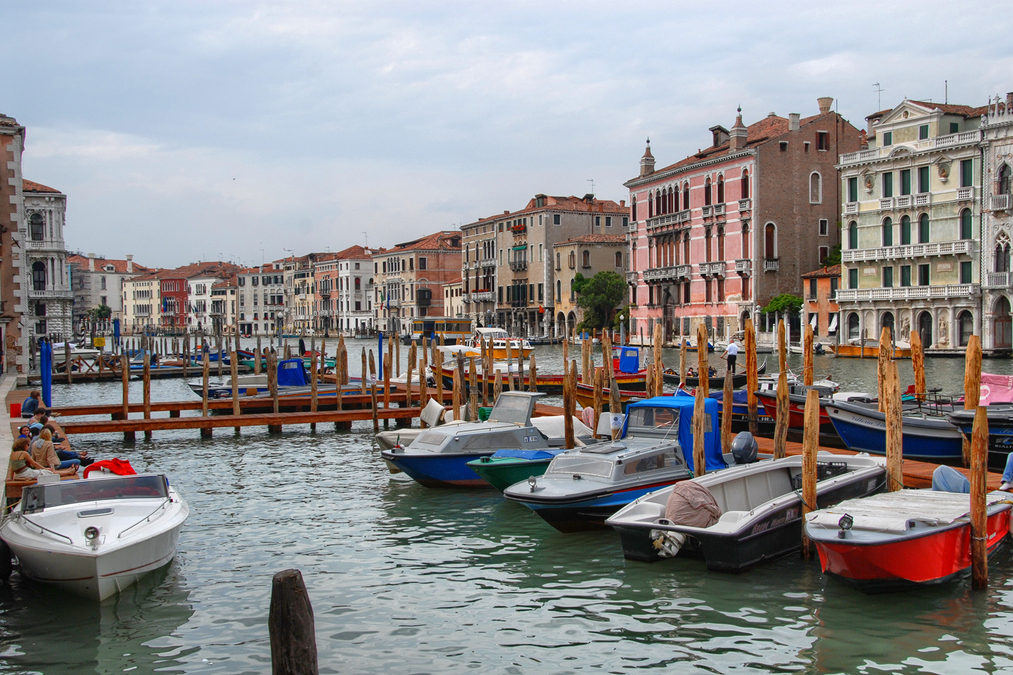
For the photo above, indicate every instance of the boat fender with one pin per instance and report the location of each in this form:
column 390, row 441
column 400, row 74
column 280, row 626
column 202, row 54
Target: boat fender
column 5, row 561
column 667, row 543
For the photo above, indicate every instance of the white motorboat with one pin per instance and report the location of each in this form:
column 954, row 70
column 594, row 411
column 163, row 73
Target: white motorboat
column 97, row 536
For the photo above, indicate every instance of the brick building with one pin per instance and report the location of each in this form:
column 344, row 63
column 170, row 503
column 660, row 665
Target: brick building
column 13, row 303
column 819, row 307
column 409, row 279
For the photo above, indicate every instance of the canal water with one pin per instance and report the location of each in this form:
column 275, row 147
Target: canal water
column 414, row 580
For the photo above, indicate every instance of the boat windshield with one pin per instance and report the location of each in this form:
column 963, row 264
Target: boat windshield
column 37, row 498
column 582, row 464
column 652, row 420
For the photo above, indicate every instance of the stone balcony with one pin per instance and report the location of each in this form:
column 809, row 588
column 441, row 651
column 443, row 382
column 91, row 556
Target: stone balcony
column 960, row 247
column 668, row 219
column 631, row 277
column 672, row 273
column 907, row 293
column 771, row 264
column 851, row 208
column 483, row 296
column 998, row 280
column 1000, row 203
column 47, row 245
column 51, row 294
column 744, row 266
column 712, row 269
column 518, row 265
column 950, row 140
column 745, row 205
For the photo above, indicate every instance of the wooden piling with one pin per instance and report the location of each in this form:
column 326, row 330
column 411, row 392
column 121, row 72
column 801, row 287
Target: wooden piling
column 234, row 368
column 456, row 394
column 473, row 387
column 125, row 368
column 606, row 358
column 726, row 413
column 408, row 382
column 219, row 357
column 703, row 361
column 979, row 519
column 752, row 378
column 599, row 383
column 363, row 371
column 918, row 363
column 894, row 428
column 683, row 348
column 532, row 374
column 659, row 367
column 782, row 347
column 439, row 383
column 972, row 384
column 884, row 356
column 699, row 431
column 387, row 361
column 291, row 626
column 568, row 395
column 807, row 356
column 372, row 397
column 509, row 361
column 66, row 361
column 615, row 406
column 649, row 381
column 272, row 379
column 810, row 446
column 585, row 363
column 497, row 387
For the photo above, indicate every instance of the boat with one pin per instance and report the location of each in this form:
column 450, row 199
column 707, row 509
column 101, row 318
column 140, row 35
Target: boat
column 869, row 349
column 542, row 341
column 292, row 378
column 446, row 330
column 439, row 457
column 499, row 338
column 904, row 539
column 755, row 511
column 585, row 394
column 739, row 379
column 797, row 396
column 1000, row 430
column 97, row 536
column 582, row 487
column 506, row 467
column 740, row 410
column 928, row 435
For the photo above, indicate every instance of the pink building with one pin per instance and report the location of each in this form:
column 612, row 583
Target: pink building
column 718, row 234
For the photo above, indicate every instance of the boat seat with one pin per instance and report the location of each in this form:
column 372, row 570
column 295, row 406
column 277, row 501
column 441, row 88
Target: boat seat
column 732, row 516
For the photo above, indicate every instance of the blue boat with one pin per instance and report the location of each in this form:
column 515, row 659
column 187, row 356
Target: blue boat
column 584, row 486
column 927, row 437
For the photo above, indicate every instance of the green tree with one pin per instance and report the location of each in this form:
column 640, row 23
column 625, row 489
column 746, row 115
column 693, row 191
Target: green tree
column 786, row 302
column 599, row 297
column 834, row 258
column 100, row 312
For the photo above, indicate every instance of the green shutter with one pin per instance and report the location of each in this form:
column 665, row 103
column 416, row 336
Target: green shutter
column 966, row 173
column 923, row 179
column 905, row 275
column 905, row 181
column 888, row 184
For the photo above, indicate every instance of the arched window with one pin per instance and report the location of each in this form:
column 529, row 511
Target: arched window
column 685, row 196
column 573, row 260
column 1002, row 259
column 650, row 204
column 39, row 276
column 657, row 203
column 744, row 181
column 38, row 224
column 1004, row 180
column 559, row 291
column 559, row 265
column 965, row 327
column 619, row 259
column 886, row 321
column 853, row 326
column 745, row 240
column 585, row 259
column 721, row 189
column 707, row 193
column 852, row 235
column 815, row 188
column 923, row 228
column 770, row 241
column 633, row 208
column 905, row 230
column 671, row 201
column 888, row 232
column 676, row 203
column 358, row 285
column 965, row 224
column 925, row 328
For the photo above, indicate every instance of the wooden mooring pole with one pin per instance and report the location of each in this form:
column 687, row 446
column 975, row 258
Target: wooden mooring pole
column 234, row 372
column 314, row 377
column 884, row 356
column 972, row 384
column 205, row 432
column 726, row 413
column 894, row 428
column 615, row 407
column 918, row 363
column 810, row 446
column 752, row 379
column 567, row 397
column 781, row 422
column 599, row 377
column 532, row 374
column 291, row 626
column 979, row 517
column 807, row 356
column 699, row 429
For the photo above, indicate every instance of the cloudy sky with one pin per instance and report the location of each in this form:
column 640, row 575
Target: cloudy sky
column 242, row 130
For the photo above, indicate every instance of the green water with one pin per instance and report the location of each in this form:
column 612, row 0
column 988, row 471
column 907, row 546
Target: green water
column 411, row 580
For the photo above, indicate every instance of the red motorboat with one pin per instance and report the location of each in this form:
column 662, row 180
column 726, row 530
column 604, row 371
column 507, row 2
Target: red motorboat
column 900, row 540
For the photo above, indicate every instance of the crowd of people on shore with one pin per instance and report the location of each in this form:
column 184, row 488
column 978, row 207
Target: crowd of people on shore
column 42, row 446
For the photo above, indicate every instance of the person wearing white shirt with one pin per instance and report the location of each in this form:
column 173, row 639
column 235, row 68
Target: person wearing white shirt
column 730, row 353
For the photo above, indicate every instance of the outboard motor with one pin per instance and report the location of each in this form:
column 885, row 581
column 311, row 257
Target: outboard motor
column 744, row 448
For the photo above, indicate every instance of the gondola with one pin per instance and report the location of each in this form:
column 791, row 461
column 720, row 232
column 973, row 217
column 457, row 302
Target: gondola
column 738, row 379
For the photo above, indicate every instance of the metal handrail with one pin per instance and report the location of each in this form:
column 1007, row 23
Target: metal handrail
column 146, row 518
column 46, row 529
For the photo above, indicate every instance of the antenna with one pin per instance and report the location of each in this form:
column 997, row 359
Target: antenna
column 946, row 91
column 591, row 181
column 366, row 235
column 879, row 95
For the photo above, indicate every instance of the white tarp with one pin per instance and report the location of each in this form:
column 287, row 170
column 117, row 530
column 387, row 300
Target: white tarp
column 894, row 511
column 553, row 426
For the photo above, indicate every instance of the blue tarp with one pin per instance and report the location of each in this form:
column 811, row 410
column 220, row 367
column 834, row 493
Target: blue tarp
column 527, row 454
column 292, row 374
column 46, row 371
column 685, row 404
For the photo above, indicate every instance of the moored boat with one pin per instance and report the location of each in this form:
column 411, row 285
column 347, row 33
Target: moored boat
column 717, row 381
column 927, row 437
column 903, row 539
column 1000, row 430
column 507, row 467
column 869, row 349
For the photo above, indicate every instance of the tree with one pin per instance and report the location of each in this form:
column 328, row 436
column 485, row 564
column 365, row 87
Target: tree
column 100, row 312
column 599, row 297
column 786, row 302
column 834, row 258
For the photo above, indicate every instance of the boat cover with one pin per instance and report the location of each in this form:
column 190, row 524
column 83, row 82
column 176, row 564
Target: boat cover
column 893, row 511
column 692, row 505
column 528, row 454
column 553, row 426
column 685, row 404
column 292, row 374
column 996, row 389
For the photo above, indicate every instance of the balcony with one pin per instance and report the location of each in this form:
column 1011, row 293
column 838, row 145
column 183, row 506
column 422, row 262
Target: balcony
column 998, row 279
column 46, row 245
column 999, row 203
column 851, row 208
column 744, row 266
column 745, row 205
column 947, row 141
column 904, row 202
column 392, row 302
column 707, row 211
column 51, row 294
column 659, row 274
column 518, row 265
column 713, row 269
column 907, row 293
column 771, row 265
column 965, row 194
column 631, row 277
column 483, row 296
column 923, row 199
column 960, row 247
column 886, row 203
column 719, row 209
column 668, row 219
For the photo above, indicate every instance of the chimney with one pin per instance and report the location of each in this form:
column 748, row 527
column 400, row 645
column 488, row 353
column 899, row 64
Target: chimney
column 647, row 161
column 622, row 203
column 794, row 123
column 130, row 264
column 825, row 102
column 91, row 262
column 739, row 135
column 720, row 135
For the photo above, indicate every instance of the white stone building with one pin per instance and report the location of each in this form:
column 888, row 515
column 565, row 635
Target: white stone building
column 44, row 272
column 261, row 295
column 997, row 231
column 141, row 303
column 100, row 281
column 355, row 290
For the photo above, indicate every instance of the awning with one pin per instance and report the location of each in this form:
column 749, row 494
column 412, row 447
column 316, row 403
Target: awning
column 519, row 248
column 815, row 321
column 833, row 324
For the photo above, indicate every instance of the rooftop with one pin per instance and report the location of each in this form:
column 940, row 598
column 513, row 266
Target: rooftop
column 31, row 186
column 120, row 266
column 823, row 272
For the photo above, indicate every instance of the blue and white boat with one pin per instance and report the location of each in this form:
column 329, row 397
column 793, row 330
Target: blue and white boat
column 292, row 378
column 927, row 437
column 584, row 486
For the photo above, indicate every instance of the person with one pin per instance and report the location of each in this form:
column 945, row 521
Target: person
column 59, row 437
column 730, row 353
column 44, row 453
column 23, row 467
column 25, row 432
column 31, row 403
column 1007, row 474
column 63, row 450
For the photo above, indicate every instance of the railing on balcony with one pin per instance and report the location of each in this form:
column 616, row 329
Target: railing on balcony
column 719, row 209
column 714, row 269
column 631, row 277
column 771, row 264
column 668, row 219
column 744, row 266
column 1000, row 203
column 488, row 262
column 886, row 203
column 707, row 211
column 965, row 193
column 851, row 208
column 745, row 204
column 45, row 245
column 55, row 293
column 960, row 247
column 907, row 293
column 926, row 144
column 923, row 199
column 904, row 202
column 518, row 265
column 659, row 274
column 998, row 279
column 482, row 296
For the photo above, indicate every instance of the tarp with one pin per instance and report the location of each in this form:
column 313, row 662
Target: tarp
column 996, row 389
column 291, row 374
column 528, row 454
column 554, row 426
column 46, row 371
column 685, row 404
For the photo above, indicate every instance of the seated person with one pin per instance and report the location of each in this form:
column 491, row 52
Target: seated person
column 23, row 467
column 25, row 432
column 711, row 372
column 44, row 453
column 31, row 403
column 60, row 439
column 63, row 450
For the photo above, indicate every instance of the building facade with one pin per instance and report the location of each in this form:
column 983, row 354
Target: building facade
column 453, row 300
column 100, row 281
column 13, row 305
column 354, row 291
column 46, row 275
column 716, row 236
column 508, row 269
column 819, row 307
column 586, row 255
column 911, row 258
column 261, row 297
column 142, row 303
column 996, row 227
column 409, row 279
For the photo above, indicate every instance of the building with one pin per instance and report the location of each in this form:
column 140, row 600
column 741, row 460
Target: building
column 45, row 272
column 100, row 281
column 912, row 199
column 996, row 230
column 717, row 235
column 142, row 303
column 586, row 255
column 507, row 267
column 355, row 290
column 819, row 306
column 200, row 280
column 409, row 279
column 261, row 295
column 223, row 305
column 13, row 305
column 453, row 300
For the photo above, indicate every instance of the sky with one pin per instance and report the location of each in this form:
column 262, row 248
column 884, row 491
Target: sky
column 245, row 131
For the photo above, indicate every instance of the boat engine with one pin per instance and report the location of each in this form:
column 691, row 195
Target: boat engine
column 689, row 504
column 744, row 448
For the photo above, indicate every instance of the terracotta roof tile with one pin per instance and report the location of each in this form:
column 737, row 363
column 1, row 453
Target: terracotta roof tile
column 119, row 265
column 823, row 272
column 437, row 240
column 31, row 186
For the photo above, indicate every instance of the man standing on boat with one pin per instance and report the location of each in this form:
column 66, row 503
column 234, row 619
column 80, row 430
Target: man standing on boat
column 731, row 351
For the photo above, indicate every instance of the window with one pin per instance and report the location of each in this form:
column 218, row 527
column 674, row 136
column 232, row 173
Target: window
column 783, row 146
column 823, row 140
column 853, row 326
column 358, row 283
column 824, row 227
column 39, row 276
column 770, row 241
column 626, row 221
column 824, row 252
column 541, row 292
column 619, row 259
column 887, row 277
column 812, row 288
column 721, row 189
column 888, row 232
column 888, row 184
column 633, row 210
column 102, row 282
column 559, row 291
column 806, row 145
column 853, row 277
column 905, row 181
column 887, row 138
column 744, row 185
column 965, row 224
column 954, row 127
column 559, row 265
column 965, row 272
column 853, row 189
column 555, row 219
column 905, row 230
column 597, row 221
column 572, row 260
column 923, row 179
column 685, row 196
column 965, row 326
column 923, row 132
column 585, row 259
column 541, row 253
column 923, row 228
column 815, row 188
column 707, row 193
column 852, row 235
column 411, row 264
column 1003, row 187
column 966, row 172
column 608, row 221
column 356, row 265
column 1002, row 257
column 905, row 275
column 422, row 263
column 499, row 294
column 923, row 275
column 834, row 281
column 38, row 225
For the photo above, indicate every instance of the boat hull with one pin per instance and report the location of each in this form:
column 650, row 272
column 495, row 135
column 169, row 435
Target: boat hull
column 869, row 351
column 435, row 470
column 864, row 430
column 581, row 515
column 502, row 472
